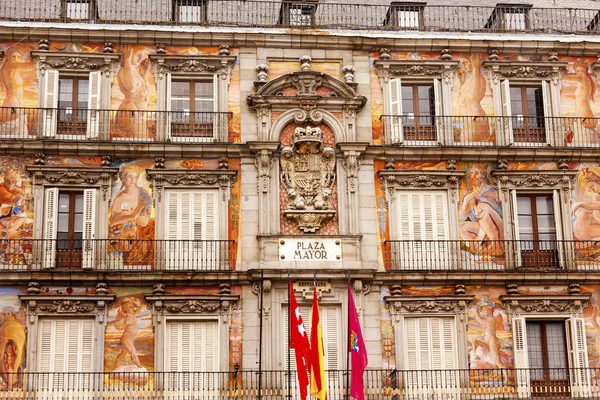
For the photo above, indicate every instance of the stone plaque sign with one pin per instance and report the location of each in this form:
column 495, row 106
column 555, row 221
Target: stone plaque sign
column 310, row 249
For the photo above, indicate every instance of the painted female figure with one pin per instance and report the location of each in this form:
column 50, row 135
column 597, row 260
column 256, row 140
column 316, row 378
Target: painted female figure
column 127, row 321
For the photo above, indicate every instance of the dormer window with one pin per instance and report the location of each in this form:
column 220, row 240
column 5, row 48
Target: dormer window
column 190, row 11
column 78, row 9
column 297, row 14
column 405, row 15
column 510, row 17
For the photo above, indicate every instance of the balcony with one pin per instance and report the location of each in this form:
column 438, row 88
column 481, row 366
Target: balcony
column 504, row 255
column 116, row 255
column 250, row 384
column 113, row 125
column 306, row 15
column 465, row 131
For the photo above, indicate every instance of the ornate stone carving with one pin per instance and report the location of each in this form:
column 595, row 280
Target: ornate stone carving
column 571, row 304
column 307, row 84
column 54, row 304
column 40, row 159
column 223, row 178
column 384, row 53
column 193, row 306
column 108, row 48
column 494, row 55
column 305, row 62
column 457, row 304
column 101, row 288
column 563, row 163
column 524, row 70
column 33, row 287
column 167, row 63
column 553, row 56
column 66, row 306
column 308, row 175
column 262, row 73
column 70, row 61
column 190, row 304
column 348, row 72
column 224, row 50
column 415, row 68
column 44, row 45
column 534, row 179
column 351, row 164
column 101, row 177
column 264, row 163
column 445, row 54
column 421, row 179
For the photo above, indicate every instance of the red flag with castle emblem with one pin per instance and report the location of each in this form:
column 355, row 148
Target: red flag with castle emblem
column 357, row 349
column 299, row 342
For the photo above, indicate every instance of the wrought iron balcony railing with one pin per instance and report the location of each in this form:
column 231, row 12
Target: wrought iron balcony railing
column 250, row 384
column 490, row 255
column 115, row 125
column 516, row 131
column 117, row 254
column 306, row 15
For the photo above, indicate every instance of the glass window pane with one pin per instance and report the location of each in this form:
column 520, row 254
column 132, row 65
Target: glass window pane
column 544, row 204
column 523, row 205
column 546, row 223
column 204, row 106
column 516, row 101
column 180, row 105
column 78, row 223
column 63, row 223
column 63, row 202
column 79, row 203
column 65, row 93
column 204, row 89
column 556, row 345
column 180, row 89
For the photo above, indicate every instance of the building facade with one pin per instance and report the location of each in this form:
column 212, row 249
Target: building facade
column 167, row 167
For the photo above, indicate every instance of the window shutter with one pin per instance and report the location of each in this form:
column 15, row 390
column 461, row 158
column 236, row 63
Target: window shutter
column 560, row 248
column 305, row 313
column 548, row 117
column 506, row 111
column 521, row 357
column 167, row 118
column 50, row 221
column 93, row 122
column 439, row 120
column 578, row 357
column 395, row 118
column 220, row 122
column 331, row 321
column 50, row 103
column 515, row 222
column 89, row 228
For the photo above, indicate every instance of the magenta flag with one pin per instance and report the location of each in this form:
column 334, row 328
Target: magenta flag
column 357, row 349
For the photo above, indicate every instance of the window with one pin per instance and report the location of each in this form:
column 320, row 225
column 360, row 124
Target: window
column 297, row 14
column 192, row 354
column 190, row 11
column 73, row 99
column 542, row 360
column 406, row 15
column 430, row 344
column 527, row 110
column 65, row 346
column 79, row 9
column 71, row 104
column 418, row 112
column 421, row 229
column 537, row 230
column 69, row 228
column 192, row 230
column 331, row 320
column 509, row 17
column 192, row 108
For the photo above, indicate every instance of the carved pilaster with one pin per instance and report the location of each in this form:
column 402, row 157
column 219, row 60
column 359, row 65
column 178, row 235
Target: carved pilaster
column 264, row 164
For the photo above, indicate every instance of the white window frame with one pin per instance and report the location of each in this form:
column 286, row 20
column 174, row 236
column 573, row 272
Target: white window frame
column 396, row 181
column 99, row 67
column 568, row 308
column 503, row 74
column 184, row 67
column 393, row 73
column 559, row 183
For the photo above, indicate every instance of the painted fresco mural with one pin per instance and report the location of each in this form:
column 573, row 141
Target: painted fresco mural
column 133, row 90
column 472, row 99
column 12, row 337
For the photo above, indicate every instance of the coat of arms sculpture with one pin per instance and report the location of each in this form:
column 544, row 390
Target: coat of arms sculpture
column 308, row 175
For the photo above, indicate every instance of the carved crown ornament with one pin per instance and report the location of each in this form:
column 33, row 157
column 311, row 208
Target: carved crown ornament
column 308, row 176
column 547, row 179
column 401, row 305
column 566, row 304
column 57, row 176
column 393, row 179
column 306, row 83
column 386, row 69
column 160, row 178
column 97, row 305
column 193, row 64
column 191, row 304
column 72, row 61
column 525, row 70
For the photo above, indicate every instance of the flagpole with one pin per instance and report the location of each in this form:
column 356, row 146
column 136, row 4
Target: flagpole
column 260, row 336
column 289, row 356
column 348, row 340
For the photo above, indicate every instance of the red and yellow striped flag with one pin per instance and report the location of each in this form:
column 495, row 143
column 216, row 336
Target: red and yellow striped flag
column 318, row 380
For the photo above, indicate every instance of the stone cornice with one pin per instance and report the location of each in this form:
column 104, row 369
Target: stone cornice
column 190, row 304
column 415, row 69
column 192, row 64
column 451, row 304
column 525, row 70
column 421, row 178
column 543, row 179
column 100, row 177
column 36, row 304
column 72, row 61
column 202, row 177
column 566, row 304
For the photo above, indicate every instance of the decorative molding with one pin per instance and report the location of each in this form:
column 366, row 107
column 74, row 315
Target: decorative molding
column 308, row 174
column 393, row 178
column 539, row 179
column 264, row 163
column 568, row 304
column 386, row 69
column 525, row 70
column 58, row 176
column 71, row 61
column 400, row 305
column 191, row 304
column 36, row 304
column 193, row 64
column 161, row 178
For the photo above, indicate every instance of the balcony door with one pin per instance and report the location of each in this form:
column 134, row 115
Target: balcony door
column 547, row 353
column 73, row 95
column 69, row 232
column 537, row 230
column 191, row 108
column 418, row 112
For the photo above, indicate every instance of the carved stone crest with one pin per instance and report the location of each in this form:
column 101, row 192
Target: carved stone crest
column 308, row 175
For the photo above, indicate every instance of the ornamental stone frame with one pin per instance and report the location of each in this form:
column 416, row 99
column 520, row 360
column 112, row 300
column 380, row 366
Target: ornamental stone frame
column 420, row 71
column 307, row 108
column 66, row 306
column 75, row 178
column 190, row 67
column 540, row 181
column 525, row 72
column 563, row 305
column 401, row 307
column 166, row 307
